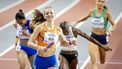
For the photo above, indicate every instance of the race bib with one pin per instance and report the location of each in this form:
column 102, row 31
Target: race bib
column 98, row 22
column 50, row 37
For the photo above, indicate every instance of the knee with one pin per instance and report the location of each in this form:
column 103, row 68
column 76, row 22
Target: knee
column 93, row 61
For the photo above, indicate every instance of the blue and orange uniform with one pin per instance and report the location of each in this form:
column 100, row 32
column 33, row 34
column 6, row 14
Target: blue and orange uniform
column 47, row 59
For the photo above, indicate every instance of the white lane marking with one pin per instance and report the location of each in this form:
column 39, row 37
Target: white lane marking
column 67, row 8
column 8, row 59
column 12, row 5
column 43, row 5
column 87, row 60
column 8, row 49
column 26, row 14
column 107, row 62
column 85, row 63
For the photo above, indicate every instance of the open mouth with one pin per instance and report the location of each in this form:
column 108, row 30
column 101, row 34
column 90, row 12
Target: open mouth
column 50, row 17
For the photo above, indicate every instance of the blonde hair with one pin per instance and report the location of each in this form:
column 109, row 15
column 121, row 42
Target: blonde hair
column 49, row 7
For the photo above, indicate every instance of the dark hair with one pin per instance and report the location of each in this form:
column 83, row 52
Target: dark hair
column 64, row 25
column 105, row 7
column 38, row 14
column 20, row 15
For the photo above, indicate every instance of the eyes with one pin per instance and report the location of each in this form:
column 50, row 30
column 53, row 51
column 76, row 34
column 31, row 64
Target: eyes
column 101, row 1
column 47, row 13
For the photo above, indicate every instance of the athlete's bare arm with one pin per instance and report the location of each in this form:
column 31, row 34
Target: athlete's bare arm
column 111, row 20
column 79, row 32
column 83, row 18
column 15, row 25
column 63, row 41
column 25, row 33
column 17, row 40
column 33, row 37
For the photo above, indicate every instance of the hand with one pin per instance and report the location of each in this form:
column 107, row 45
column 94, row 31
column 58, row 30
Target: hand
column 72, row 42
column 106, row 48
column 49, row 45
column 109, row 32
column 18, row 48
column 65, row 43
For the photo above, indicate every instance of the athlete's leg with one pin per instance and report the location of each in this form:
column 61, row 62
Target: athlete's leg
column 31, row 60
column 22, row 58
column 102, row 55
column 93, row 51
column 63, row 63
column 73, row 64
column 30, row 53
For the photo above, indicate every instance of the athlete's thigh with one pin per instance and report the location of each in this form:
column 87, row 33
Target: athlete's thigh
column 93, row 51
column 102, row 55
column 63, row 63
column 73, row 64
column 31, row 60
column 22, row 54
column 22, row 58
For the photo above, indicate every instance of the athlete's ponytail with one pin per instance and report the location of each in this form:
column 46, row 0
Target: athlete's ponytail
column 20, row 15
column 20, row 10
column 105, row 7
column 38, row 17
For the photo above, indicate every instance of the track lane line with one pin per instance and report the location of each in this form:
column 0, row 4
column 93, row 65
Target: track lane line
column 12, row 5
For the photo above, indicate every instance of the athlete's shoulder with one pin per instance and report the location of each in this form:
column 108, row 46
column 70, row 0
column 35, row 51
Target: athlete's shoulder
column 39, row 27
column 91, row 11
column 58, row 28
column 108, row 13
column 73, row 28
column 15, row 25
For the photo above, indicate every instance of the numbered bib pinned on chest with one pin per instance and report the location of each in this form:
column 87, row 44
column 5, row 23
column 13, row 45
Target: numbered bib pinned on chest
column 98, row 22
column 50, row 37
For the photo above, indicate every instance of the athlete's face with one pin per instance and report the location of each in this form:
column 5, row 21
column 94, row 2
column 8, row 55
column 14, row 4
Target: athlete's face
column 21, row 22
column 49, row 14
column 100, row 3
column 66, row 28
